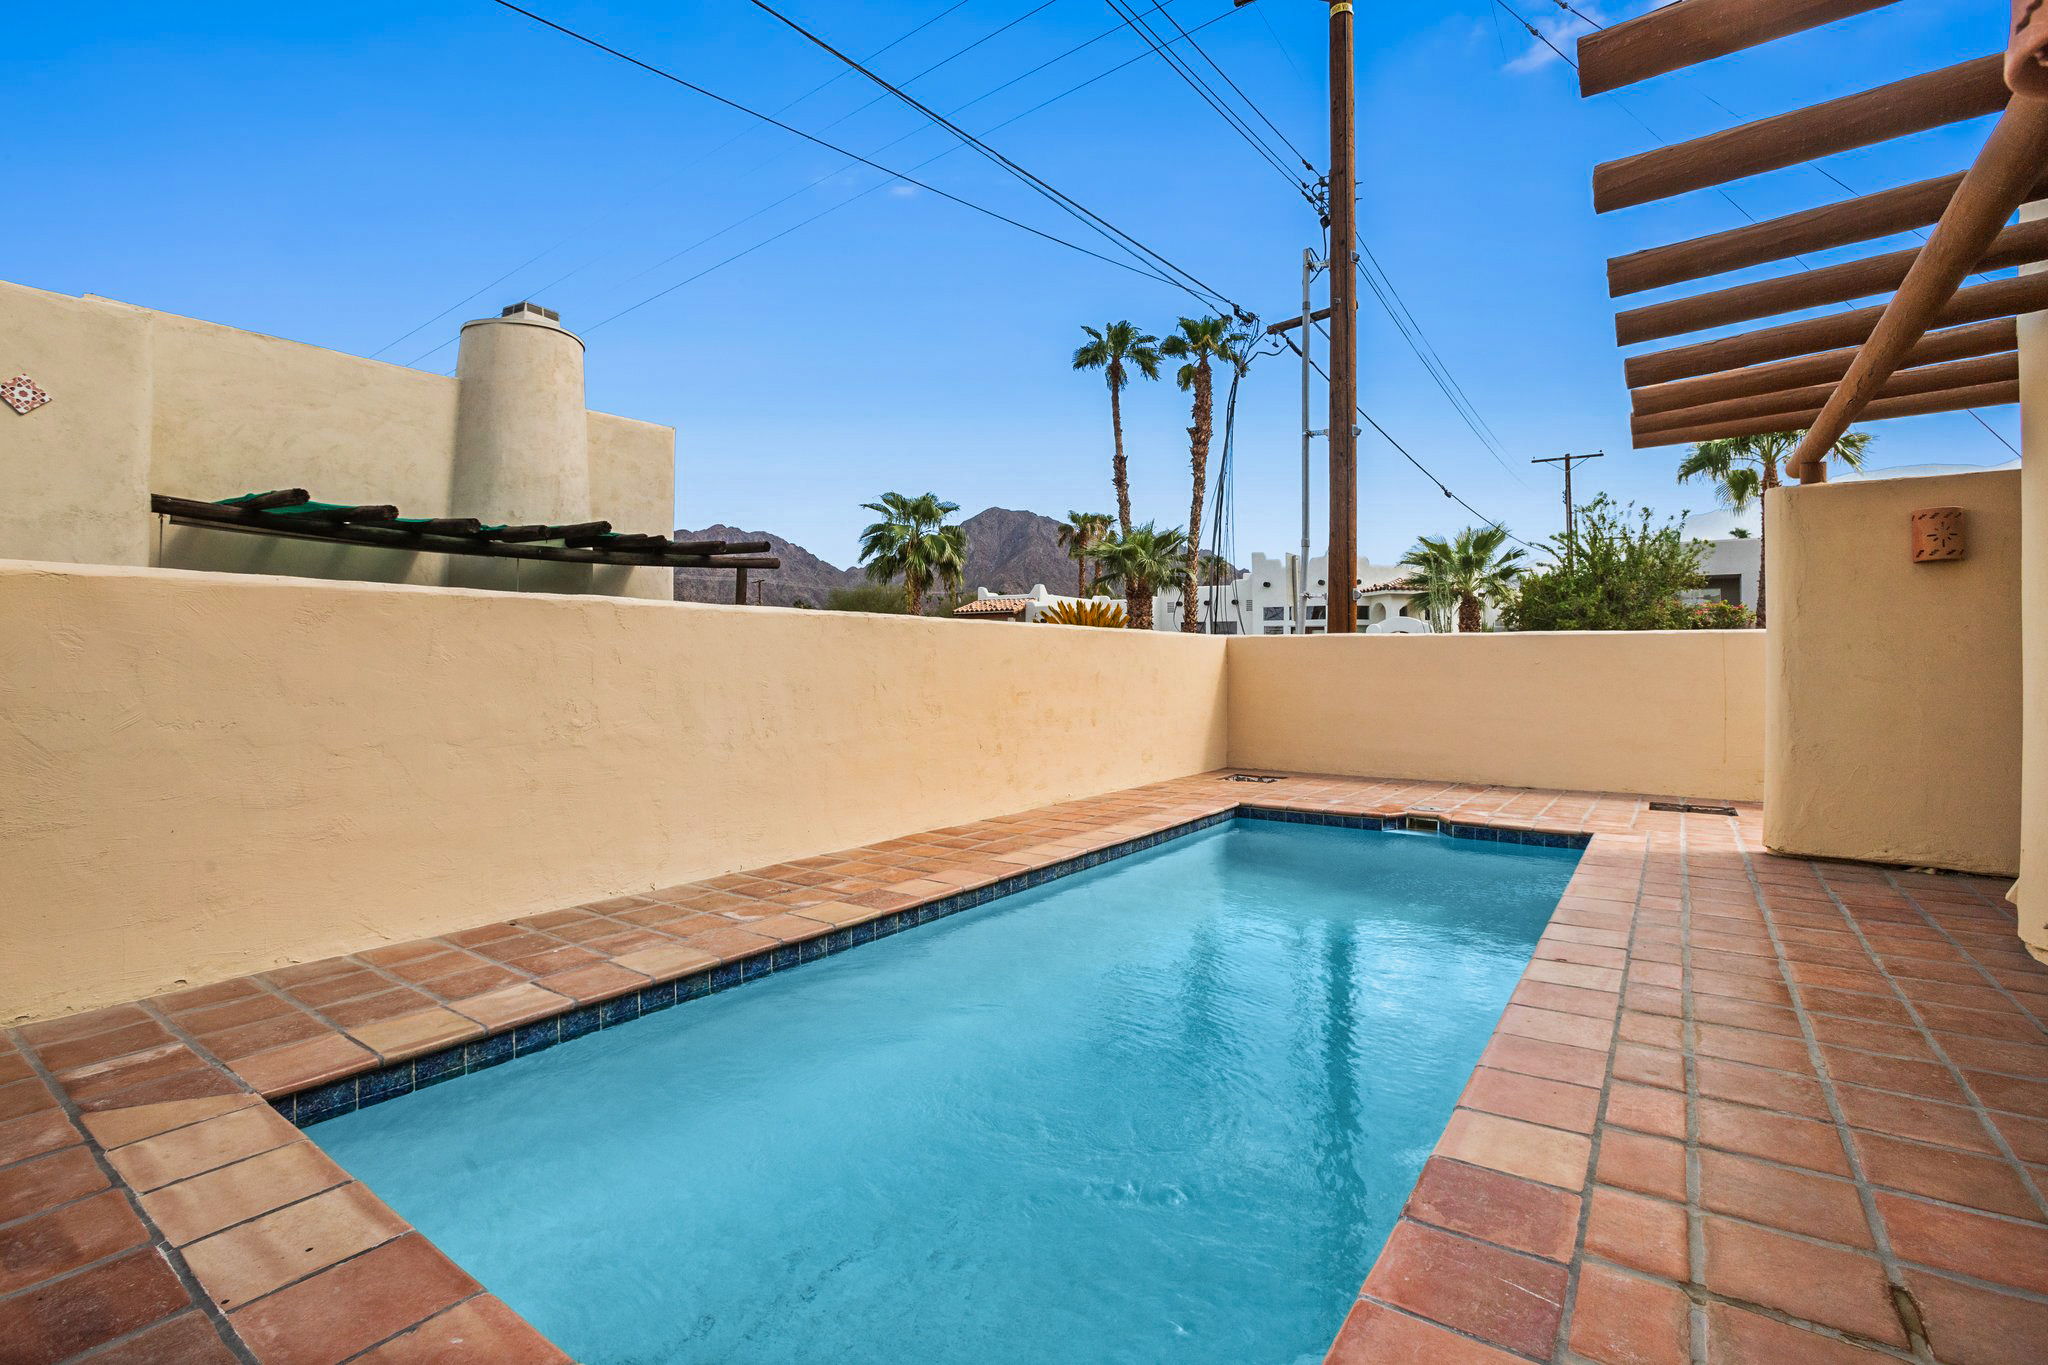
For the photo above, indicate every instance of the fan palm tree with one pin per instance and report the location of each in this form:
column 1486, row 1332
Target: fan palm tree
column 913, row 542
column 1199, row 341
column 1465, row 572
column 1141, row 563
column 1080, row 533
column 1117, row 346
column 1745, row 469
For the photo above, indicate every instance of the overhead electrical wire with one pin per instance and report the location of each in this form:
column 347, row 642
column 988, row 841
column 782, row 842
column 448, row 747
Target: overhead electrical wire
column 948, row 195
column 673, row 175
column 1137, row 248
column 872, row 189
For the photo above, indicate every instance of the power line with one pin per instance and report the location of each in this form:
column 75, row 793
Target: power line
column 1441, row 486
column 879, row 185
column 1075, row 208
column 1215, row 101
column 1249, row 102
column 829, row 146
column 672, row 176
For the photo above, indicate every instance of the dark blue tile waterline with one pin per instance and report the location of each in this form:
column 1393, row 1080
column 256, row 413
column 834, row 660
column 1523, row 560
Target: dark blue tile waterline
column 374, row 1087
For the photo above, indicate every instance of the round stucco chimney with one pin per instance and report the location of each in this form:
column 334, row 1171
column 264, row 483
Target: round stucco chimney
column 522, row 439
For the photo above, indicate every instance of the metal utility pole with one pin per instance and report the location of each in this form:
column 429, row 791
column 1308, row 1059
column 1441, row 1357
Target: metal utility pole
column 1309, row 266
column 1571, row 516
column 1343, row 573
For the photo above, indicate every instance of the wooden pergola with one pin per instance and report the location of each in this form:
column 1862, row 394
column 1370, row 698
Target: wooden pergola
column 292, row 513
column 1933, row 345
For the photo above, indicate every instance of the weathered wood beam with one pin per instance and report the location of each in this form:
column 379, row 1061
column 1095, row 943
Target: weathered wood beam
column 1955, row 374
column 578, row 528
column 2004, row 173
column 281, row 497
column 1930, row 100
column 718, row 547
column 368, row 512
column 2020, row 244
column 1843, row 223
column 1954, row 343
column 214, row 516
column 1948, row 400
column 1998, row 299
column 1686, row 34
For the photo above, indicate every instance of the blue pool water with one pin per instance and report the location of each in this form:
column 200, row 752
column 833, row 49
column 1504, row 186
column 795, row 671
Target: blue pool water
column 1166, row 1109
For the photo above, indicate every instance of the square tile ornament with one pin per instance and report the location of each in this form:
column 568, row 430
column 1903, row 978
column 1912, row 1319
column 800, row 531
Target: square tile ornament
column 21, row 394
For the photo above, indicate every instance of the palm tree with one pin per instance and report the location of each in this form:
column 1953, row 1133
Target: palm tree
column 1079, row 534
column 1141, row 563
column 1119, row 344
column 1199, row 341
column 1745, row 469
column 1464, row 573
column 913, row 542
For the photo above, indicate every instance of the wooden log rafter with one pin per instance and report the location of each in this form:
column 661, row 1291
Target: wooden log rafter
column 1948, row 400
column 1995, row 186
column 1678, row 36
column 1978, row 303
column 2020, row 244
column 1953, row 343
column 1954, row 374
column 269, row 514
column 1929, row 100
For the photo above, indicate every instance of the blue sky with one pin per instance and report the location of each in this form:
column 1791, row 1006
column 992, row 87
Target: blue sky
column 341, row 174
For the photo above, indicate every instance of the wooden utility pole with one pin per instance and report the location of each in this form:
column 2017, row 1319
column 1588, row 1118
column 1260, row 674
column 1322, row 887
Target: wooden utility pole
column 1571, row 516
column 1343, row 263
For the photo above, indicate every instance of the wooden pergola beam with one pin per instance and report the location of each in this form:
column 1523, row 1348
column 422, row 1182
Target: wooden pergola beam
column 1930, row 100
column 2021, row 244
column 1954, row 343
column 220, row 517
column 1948, row 400
column 1843, row 223
column 1684, row 35
column 1955, row 374
column 2006, row 168
column 1978, row 303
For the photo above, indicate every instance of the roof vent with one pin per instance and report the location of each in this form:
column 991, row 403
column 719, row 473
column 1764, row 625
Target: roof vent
column 527, row 306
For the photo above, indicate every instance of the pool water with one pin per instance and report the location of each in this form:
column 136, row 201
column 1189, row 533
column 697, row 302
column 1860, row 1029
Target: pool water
column 1165, row 1109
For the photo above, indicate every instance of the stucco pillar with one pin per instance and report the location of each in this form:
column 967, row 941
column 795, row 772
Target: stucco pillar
column 2031, row 892
column 522, row 440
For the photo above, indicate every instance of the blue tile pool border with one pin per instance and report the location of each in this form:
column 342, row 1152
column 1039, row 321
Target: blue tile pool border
column 307, row 1107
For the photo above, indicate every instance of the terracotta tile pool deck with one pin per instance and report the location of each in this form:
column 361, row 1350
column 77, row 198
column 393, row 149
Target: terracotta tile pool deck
column 1741, row 1108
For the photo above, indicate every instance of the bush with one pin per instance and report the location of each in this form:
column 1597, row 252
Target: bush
column 1093, row 611
column 1619, row 571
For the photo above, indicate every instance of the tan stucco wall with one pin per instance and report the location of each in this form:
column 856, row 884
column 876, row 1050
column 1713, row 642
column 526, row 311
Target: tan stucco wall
column 2031, row 894
column 1678, row 712
column 149, row 402
column 1894, row 687
column 209, row 774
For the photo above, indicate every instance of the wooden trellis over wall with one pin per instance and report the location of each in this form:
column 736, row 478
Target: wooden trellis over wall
column 1933, row 345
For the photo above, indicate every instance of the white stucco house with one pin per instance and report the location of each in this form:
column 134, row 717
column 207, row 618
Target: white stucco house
column 1261, row 601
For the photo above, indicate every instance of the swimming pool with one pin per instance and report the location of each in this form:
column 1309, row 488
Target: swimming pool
column 1167, row 1108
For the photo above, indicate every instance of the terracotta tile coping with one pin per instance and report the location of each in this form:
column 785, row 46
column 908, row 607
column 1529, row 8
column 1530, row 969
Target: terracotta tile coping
column 183, row 1216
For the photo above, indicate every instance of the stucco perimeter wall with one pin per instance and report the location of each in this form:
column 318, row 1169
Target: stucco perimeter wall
column 209, row 774
column 1677, row 712
column 1895, row 697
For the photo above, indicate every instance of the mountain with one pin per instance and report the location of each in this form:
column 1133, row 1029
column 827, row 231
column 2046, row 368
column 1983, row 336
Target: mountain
column 1011, row 551
column 802, row 576
column 1007, row 551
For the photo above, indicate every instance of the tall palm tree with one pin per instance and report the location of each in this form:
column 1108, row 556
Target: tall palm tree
column 1199, row 341
column 1080, row 533
column 1142, row 562
column 913, row 542
column 1745, row 469
column 1117, row 345
column 1465, row 572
